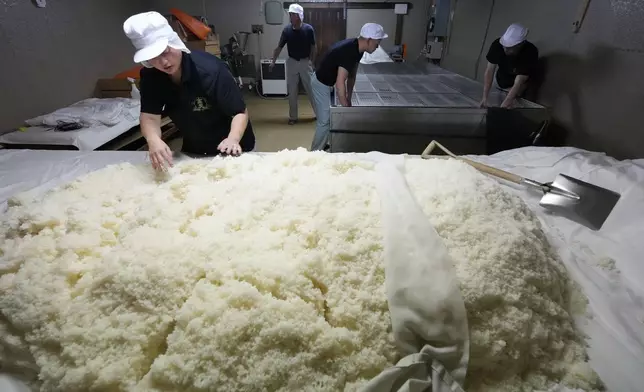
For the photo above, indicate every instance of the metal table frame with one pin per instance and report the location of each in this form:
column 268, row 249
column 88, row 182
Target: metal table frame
column 401, row 107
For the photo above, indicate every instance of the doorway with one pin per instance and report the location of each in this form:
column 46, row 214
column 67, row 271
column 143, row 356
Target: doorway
column 330, row 27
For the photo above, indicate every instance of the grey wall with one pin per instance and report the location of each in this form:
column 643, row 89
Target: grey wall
column 593, row 83
column 52, row 56
column 386, row 18
column 230, row 16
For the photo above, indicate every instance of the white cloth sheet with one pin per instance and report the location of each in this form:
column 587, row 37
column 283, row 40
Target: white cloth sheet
column 24, row 170
column 428, row 317
column 92, row 112
column 378, row 56
column 616, row 296
column 85, row 139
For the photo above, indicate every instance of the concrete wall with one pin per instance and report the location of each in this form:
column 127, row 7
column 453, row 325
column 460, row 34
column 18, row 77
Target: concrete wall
column 593, row 82
column 230, row 16
column 53, row 56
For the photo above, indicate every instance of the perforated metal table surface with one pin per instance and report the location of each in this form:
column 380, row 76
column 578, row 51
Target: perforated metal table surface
column 420, row 85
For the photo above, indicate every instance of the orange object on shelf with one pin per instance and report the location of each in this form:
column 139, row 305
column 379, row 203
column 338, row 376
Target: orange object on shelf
column 130, row 73
column 404, row 50
column 199, row 29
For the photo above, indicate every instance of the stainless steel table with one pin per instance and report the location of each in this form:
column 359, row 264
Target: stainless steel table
column 401, row 107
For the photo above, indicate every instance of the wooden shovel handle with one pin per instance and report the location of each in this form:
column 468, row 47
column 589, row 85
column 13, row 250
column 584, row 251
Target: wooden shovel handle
column 478, row 166
column 493, row 171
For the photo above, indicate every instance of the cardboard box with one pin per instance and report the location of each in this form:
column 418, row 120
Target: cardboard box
column 196, row 45
column 113, row 88
column 212, row 45
column 213, row 48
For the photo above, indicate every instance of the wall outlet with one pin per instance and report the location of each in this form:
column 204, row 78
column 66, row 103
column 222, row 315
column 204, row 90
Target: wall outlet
column 257, row 29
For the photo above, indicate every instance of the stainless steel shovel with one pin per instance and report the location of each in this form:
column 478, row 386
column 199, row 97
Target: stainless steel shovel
column 579, row 201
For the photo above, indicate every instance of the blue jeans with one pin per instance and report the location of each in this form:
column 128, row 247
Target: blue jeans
column 322, row 100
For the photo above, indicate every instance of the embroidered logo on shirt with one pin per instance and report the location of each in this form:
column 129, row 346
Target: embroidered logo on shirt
column 200, row 105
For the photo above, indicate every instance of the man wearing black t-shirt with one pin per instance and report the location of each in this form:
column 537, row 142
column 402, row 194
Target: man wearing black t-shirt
column 338, row 69
column 195, row 89
column 517, row 61
column 300, row 39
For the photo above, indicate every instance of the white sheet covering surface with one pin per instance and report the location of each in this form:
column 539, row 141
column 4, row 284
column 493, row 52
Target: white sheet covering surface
column 616, row 294
column 378, row 56
column 92, row 112
column 608, row 264
column 85, row 139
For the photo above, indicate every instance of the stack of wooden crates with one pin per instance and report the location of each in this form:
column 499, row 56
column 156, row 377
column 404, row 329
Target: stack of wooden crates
column 212, row 45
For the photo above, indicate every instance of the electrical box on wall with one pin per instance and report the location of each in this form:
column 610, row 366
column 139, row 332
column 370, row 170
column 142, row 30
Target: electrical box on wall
column 434, row 50
column 273, row 13
column 441, row 16
column 400, row 9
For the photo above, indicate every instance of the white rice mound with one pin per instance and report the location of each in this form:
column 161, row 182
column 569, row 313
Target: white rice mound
column 266, row 273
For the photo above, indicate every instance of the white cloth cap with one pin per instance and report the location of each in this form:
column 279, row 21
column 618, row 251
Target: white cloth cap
column 373, row 31
column 151, row 34
column 296, row 9
column 514, row 35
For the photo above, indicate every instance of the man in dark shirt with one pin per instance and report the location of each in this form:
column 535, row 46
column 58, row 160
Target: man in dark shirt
column 517, row 61
column 300, row 39
column 195, row 89
column 338, row 69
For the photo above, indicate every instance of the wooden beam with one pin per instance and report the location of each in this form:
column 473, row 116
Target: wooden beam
column 370, row 5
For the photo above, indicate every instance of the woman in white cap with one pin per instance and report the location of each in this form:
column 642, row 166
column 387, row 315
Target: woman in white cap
column 300, row 39
column 338, row 69
column 517, row 60
column 195, row 89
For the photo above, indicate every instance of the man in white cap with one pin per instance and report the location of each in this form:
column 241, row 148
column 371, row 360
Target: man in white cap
column 517, row 60
column 300, row 39
column 195, row 89
column 338, row 70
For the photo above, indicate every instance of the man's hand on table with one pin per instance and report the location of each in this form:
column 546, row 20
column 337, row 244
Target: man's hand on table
column 506, row 104
column 160, row 154
column 230, row 146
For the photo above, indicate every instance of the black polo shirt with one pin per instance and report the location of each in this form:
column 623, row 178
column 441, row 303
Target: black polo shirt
column 299, row 41
column 202, row 106
column 522, row 63
column 345, row 54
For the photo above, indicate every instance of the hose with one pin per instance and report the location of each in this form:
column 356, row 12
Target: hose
column 487, row 30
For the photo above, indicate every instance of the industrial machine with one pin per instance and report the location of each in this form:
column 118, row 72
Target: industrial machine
column 273, row 80
column 241, row 64
column 401, row 107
